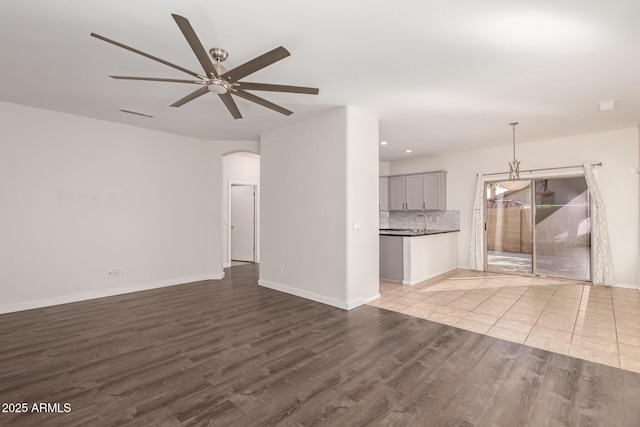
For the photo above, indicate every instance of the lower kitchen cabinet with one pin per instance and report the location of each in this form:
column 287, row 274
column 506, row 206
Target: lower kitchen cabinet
column 391, row 258
column 414, row 259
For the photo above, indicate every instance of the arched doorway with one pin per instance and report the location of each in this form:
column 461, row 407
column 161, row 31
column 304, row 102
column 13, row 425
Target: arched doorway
column 240, row 208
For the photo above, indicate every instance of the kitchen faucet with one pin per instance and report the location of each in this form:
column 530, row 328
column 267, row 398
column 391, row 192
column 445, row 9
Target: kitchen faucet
column 425, row 220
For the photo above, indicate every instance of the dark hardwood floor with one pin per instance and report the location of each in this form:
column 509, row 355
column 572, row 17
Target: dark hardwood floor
column 232, row 353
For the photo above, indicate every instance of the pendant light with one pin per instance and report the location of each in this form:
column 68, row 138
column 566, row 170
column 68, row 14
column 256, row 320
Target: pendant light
column 513, row 183
column 514, row 166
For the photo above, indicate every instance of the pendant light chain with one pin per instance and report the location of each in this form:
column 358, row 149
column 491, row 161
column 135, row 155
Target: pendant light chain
column 514, row 167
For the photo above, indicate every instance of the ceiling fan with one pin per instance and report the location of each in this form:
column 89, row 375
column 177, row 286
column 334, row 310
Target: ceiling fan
column 218, row 79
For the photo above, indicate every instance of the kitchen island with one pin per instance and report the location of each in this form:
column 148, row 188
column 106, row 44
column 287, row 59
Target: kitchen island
column 411, row 256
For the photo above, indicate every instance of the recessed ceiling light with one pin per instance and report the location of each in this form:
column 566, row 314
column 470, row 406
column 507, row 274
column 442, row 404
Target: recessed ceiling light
column 608, row 105
column 408, row 151
column 383, row 143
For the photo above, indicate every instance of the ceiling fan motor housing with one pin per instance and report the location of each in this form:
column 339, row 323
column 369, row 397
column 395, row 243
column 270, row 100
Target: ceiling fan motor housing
column 218, row 54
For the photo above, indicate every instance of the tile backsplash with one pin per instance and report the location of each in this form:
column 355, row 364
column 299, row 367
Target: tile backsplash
column 384, row 219
column 436, row 220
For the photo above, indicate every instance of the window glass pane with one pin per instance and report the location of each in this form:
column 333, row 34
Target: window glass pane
column 508, row 219
column 563, row 228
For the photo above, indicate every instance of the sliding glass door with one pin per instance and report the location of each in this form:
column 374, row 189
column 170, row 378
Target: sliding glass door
column 539, row 226
column 562, row 228
column 508, row 226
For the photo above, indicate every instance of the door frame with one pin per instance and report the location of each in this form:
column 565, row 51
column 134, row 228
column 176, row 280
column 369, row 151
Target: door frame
column 531, row 177
column 256, row 216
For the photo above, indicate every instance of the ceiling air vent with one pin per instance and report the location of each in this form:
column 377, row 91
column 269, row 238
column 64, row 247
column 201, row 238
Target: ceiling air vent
column 137, row 113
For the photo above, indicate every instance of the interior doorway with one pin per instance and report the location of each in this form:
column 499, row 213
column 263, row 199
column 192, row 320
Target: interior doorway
column 539, row 226
column 240, row 169
column 242, row 227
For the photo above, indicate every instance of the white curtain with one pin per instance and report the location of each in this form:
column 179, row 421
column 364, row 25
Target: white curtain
column 601, row 267
column 476, row 250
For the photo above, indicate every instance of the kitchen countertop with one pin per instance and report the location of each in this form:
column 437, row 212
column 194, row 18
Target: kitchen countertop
column 413, row 232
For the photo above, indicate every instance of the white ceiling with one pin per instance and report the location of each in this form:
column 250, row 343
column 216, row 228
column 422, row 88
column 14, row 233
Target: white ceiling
column 439, row 75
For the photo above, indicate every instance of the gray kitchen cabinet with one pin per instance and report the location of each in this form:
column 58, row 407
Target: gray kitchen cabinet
column 383, row 188
column 413, row 192
column 416, row 192
column 405, row 193
column 396, row 193
column 391, row 263
column 434, row 188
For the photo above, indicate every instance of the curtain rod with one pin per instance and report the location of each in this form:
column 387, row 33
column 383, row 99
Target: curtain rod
column 543, row 169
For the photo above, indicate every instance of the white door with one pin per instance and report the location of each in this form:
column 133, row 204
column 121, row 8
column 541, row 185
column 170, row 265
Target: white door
column 242, row 222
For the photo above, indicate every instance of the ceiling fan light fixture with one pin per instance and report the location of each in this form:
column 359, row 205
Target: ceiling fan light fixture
column 217, row 88
column 216, row 78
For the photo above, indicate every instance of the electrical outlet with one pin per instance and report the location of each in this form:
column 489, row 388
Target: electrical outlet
column 281, row 270
column 116, row 272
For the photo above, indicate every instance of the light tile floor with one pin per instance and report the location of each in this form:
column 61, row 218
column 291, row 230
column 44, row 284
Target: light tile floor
column 596, row 323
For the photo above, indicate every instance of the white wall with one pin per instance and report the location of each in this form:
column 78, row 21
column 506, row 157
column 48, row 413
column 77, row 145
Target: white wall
column 618, row 180
column 384, row 168
column 239, row 168
column 362, row 207
column 82, row 196
column 308, row 169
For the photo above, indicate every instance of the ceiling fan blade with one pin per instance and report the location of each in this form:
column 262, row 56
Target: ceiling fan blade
column 191, row 97
column 139, row 52
column 154, row 79
column 256, row 64
column 251, row 97
column 230, row 104
column 196, row 46
column 278, row 88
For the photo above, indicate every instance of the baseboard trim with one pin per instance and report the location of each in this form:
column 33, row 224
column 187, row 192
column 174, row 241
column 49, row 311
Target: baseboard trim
column 361, row 301
column 304, row 294
column 344, row 305
column 102, row 293
column 623, row 285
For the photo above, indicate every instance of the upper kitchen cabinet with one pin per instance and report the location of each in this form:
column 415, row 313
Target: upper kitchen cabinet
column 413, row 192
column 405, row 193
column 434, row 187
column 396, row 193
column 383, row 188
column 418, row 192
